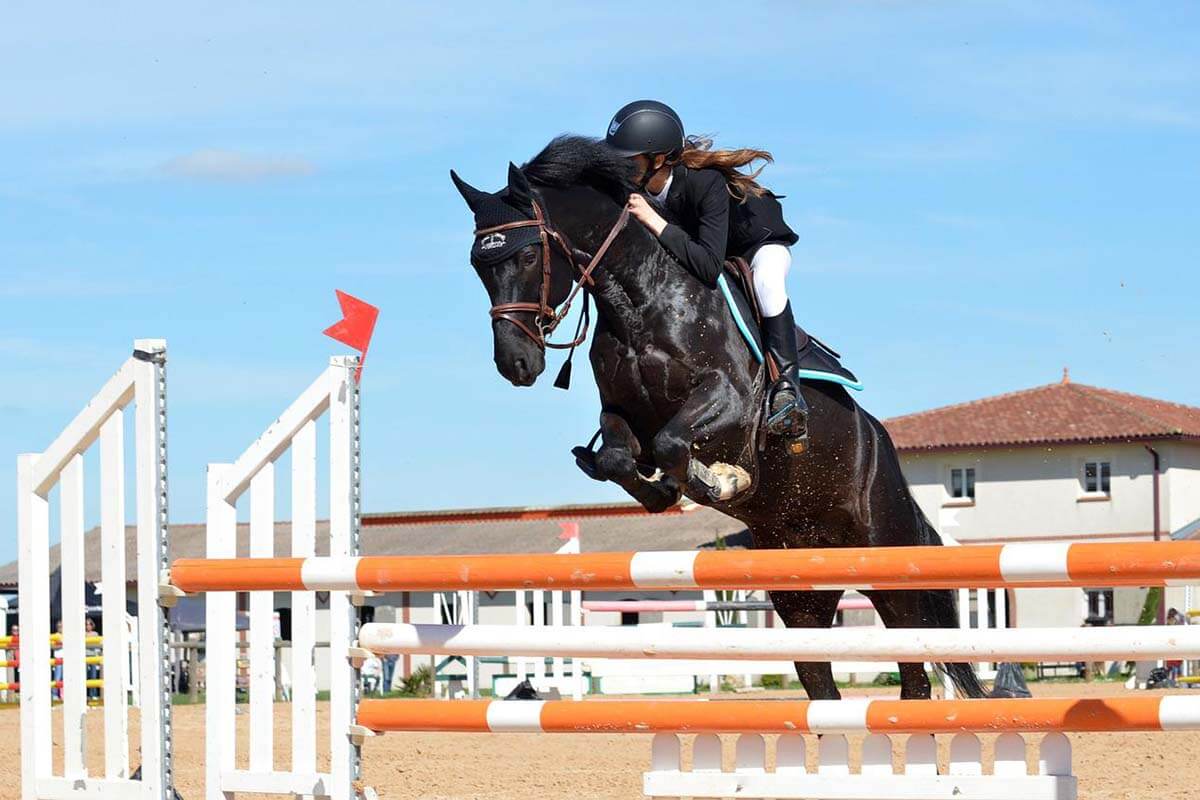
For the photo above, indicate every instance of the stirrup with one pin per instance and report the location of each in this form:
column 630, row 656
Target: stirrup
column 792, row 419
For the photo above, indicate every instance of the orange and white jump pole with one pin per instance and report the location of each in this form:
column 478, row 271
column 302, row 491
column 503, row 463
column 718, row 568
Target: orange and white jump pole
column 1026, row 715
column 987, row 566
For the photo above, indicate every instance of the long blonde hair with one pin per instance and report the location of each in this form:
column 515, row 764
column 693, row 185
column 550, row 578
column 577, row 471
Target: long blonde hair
column 697, row 153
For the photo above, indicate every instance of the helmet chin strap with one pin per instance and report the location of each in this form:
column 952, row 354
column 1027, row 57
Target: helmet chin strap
column 649, row 174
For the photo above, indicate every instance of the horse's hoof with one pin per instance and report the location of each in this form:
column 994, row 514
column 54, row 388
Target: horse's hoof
column 732, row 480
column 585, row 459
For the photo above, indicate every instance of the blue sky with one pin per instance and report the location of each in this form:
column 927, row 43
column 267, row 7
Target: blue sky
column 984, row 193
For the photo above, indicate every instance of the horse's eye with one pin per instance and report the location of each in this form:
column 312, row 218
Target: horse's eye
column 528, row 257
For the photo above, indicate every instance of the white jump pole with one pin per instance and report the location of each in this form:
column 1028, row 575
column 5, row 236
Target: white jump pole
column 792, row 644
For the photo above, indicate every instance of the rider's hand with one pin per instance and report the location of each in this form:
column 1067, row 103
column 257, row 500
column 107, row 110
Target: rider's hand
column 641, row 209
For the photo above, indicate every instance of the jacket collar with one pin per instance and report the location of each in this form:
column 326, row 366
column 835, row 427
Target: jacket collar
column 678, row 179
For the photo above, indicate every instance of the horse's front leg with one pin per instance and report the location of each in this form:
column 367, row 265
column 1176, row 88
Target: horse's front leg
column 712, row 411
column 616, row 461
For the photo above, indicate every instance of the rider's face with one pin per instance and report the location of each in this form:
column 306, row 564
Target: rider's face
column 643, row 164
column 648, row 164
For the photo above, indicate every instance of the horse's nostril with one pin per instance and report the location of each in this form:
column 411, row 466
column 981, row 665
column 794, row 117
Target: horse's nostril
column 520, row 365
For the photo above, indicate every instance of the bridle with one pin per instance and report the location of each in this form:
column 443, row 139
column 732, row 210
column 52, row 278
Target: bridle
column 546, row 317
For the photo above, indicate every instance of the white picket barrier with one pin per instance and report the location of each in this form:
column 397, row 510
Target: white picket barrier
column 875, row 780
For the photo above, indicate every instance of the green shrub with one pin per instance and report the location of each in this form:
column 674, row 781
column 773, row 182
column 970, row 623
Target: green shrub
column 1149, row 615
column 886, row 679
column 774, row 681
column 418, row 684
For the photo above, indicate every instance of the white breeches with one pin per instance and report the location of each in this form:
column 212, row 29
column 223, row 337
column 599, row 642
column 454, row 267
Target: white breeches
column 770, row 267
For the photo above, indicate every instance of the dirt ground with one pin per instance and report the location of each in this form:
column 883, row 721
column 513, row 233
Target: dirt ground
column 1164, row 766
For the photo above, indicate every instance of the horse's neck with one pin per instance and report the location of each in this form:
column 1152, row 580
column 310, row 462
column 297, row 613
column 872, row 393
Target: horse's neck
column 619, row 312
column 637, row 278
column 641, row 282
column 586, row 216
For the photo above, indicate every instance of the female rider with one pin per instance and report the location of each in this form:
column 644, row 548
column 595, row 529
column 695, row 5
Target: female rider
column 721, row 213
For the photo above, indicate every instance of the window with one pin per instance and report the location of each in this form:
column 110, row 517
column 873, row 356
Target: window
column 1099, row 607
column 962, row 483
column 988, row 596
column 1097, row 477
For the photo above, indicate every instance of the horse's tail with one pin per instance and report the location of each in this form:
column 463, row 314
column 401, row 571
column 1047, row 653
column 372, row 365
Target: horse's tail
column 941, row 607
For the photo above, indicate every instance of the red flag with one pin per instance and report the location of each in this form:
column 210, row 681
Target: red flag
column 355, row 327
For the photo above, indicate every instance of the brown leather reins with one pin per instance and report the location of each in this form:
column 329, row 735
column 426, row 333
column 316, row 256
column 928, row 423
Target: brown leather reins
column 546, row 317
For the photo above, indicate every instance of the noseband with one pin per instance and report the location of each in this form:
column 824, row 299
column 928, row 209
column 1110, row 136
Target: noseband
column 546, row 317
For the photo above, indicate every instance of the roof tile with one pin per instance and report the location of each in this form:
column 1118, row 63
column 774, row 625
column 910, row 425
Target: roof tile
column 1059, row 413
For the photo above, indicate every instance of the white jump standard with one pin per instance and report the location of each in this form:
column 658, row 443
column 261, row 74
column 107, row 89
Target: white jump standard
column 347, row 576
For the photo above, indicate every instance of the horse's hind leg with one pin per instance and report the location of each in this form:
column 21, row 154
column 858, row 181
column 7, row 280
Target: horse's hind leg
column 616, row 461
column 811, row 610
column 903, row 610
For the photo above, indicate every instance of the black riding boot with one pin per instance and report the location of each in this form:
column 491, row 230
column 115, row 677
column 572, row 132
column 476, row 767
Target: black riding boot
column 787, row 412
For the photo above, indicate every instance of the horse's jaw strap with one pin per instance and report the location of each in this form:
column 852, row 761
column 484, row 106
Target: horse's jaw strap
column 545, row 317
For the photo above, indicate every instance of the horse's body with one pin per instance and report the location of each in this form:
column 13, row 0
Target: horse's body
column 680, row 392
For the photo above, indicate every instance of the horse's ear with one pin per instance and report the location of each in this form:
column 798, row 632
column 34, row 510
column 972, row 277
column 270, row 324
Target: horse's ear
column 519, row 190
column 472, row 195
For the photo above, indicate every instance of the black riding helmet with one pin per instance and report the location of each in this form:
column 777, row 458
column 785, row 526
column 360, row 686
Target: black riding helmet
column 645, row 126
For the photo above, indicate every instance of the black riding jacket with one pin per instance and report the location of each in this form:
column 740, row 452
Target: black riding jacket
column 708, row 225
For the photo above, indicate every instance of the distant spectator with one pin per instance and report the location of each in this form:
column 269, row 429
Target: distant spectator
column 372, row 671
column 15, row 632
column 93, row 670
column 1175, row 667
column 56, row 667
column 389, row 672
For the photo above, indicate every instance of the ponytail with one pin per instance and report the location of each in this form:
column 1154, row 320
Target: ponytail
column 697, row 153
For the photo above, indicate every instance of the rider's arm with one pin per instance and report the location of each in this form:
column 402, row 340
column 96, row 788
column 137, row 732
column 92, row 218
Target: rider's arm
column 704, row 255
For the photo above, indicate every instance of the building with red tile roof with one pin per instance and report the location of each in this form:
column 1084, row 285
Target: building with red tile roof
column 1060, row 413
column 1057, row 463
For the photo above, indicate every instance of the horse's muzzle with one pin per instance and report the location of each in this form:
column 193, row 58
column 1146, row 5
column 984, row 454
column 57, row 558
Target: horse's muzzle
column 517, row 358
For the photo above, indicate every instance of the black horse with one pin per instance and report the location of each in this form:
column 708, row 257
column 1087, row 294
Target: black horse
column 681, row 392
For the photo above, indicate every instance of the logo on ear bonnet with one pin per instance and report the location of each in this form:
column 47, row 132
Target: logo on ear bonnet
column 492, row 241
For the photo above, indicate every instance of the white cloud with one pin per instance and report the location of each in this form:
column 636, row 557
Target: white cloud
column 61, row 285
column 227, row 166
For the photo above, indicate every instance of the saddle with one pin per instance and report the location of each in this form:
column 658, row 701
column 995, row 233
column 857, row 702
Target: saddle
column 737, row 285
column 823, row 363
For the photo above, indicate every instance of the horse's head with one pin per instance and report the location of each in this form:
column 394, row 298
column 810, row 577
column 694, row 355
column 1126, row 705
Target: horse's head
column 525, row 266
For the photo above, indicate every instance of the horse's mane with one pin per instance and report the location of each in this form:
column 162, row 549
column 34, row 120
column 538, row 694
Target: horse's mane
column 571, row 160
